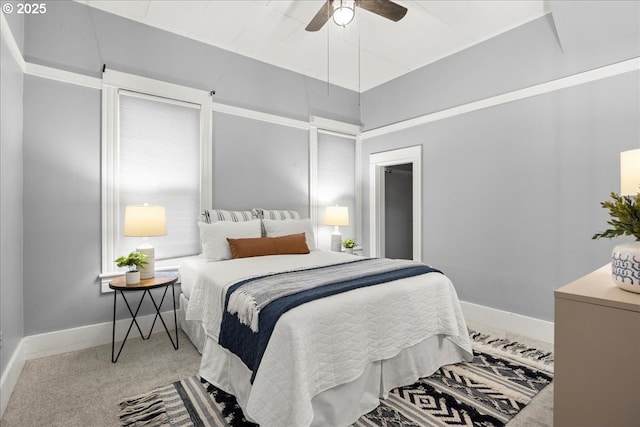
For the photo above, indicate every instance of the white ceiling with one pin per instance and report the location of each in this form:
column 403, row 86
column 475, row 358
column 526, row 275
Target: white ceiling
column 368, row 52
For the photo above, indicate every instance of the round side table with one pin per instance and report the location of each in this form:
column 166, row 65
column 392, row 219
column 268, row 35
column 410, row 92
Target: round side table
column 159, row 280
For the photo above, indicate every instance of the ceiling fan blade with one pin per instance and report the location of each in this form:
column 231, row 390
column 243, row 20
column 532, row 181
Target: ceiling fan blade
column 321, row 17
column 384, row 8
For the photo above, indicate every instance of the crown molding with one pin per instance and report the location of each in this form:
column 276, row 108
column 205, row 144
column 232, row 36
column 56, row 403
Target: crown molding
column 11, row 42
column 539, row 89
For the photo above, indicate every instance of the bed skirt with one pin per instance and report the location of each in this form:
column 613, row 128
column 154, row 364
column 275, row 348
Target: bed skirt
column 343, row 404
column 193, row 329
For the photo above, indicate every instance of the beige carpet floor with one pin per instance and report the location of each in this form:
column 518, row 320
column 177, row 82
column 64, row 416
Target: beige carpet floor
column 83, row 388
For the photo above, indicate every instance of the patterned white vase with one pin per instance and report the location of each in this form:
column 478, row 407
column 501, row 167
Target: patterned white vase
column 625, row 266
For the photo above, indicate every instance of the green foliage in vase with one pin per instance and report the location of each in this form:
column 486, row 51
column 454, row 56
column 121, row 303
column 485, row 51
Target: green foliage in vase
column 134, row 261
column 625, row 216
column 349, row 243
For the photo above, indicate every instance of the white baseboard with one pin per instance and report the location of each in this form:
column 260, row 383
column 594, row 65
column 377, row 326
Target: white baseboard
column 541, row 330
column 57, row 342
column 10, row 376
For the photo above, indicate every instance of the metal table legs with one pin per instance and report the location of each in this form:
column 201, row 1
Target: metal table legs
column 114, row 358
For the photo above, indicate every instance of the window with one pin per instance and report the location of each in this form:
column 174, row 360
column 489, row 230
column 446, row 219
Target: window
column 334, row 150
column 336, row 182
column 156, row 150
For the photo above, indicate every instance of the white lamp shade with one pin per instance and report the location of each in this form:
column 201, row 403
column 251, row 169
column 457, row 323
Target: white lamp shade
column 630, row 172
column 145, row 221
column 336, row 215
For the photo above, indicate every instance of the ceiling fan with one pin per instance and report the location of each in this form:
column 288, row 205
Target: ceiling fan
column 343, row 11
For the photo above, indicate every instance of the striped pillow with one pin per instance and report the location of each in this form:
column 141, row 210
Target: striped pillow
column 210, row 216
column 274, row 214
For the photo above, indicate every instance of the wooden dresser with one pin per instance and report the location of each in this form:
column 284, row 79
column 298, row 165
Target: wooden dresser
column 597, row 354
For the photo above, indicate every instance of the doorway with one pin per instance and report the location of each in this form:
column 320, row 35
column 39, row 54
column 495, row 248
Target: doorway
column 398, row 211
column 381, row 204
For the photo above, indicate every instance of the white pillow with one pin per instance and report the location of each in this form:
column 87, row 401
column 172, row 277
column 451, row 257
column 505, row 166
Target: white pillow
column 213, row 237
column 284, row 227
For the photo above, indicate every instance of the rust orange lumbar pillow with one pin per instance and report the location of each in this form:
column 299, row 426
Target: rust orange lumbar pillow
column 260, row 246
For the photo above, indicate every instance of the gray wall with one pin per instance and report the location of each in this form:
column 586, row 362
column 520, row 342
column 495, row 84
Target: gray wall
column 259, row 165
column 511, row 193
column 62, row 145
column 61, row 206
column 16, row 23
column 74, row 37
column 11, row 279
column 523, row 57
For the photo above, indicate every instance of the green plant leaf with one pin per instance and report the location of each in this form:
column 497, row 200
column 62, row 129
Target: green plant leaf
column 625, row 217
column 349, row 243
column 135, row 260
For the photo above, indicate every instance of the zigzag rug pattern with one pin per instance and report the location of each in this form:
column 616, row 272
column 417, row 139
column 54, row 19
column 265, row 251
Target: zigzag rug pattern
column 487, row 392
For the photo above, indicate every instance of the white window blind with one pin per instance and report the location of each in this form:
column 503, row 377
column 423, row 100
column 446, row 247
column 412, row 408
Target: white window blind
column 159, row 164
column 336, row 182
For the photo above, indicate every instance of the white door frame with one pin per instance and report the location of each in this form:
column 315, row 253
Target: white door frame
column 377, row 164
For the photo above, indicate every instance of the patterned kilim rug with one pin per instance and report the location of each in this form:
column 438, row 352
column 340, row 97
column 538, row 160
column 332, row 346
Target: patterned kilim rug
column 501, row 380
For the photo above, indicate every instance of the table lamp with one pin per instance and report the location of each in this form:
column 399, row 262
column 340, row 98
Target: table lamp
column 336, row 216
column 630, row 172
column 145, row 221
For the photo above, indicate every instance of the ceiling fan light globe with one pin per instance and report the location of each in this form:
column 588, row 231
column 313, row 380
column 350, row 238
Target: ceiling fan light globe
column 343, row 12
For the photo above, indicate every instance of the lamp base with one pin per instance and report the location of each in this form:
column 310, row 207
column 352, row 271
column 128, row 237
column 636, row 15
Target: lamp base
column 149, row 270
column 336, row 242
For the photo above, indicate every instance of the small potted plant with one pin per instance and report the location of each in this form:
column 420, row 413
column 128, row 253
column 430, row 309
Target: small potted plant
column 349, row 244
column 135, row 261
column 625, row 259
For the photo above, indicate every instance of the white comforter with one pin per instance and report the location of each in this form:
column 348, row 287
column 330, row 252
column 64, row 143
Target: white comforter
column 330, row 341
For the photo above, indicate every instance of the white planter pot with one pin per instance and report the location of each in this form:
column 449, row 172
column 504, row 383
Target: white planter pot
column 132, row 277
column 348, row 250
column 625, row 266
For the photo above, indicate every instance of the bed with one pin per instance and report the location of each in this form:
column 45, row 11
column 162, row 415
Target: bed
column 331, row 360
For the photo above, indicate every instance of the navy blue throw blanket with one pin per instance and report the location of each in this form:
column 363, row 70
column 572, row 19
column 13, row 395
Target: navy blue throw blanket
column 250, row 346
